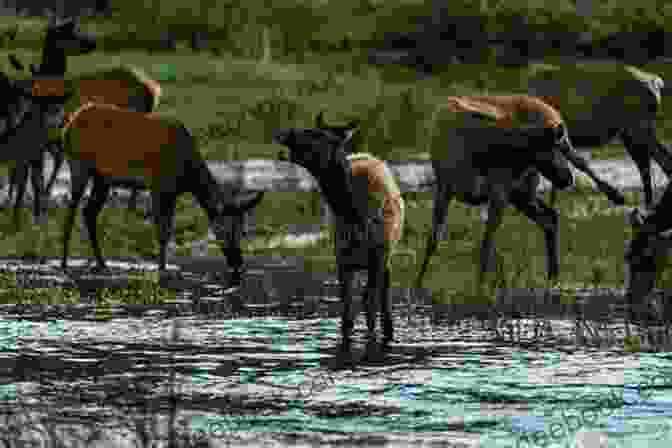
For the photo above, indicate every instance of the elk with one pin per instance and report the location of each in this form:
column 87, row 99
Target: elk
column 479, row 160
column 368, row 209
column 125, row 86
column 24, row 120
column 62, row 39
column 117, row 146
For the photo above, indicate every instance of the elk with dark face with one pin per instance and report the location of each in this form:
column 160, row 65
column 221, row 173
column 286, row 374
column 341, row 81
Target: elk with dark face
column 368, row 209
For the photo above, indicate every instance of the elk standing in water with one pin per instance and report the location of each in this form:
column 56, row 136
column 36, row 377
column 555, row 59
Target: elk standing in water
column 368, row 209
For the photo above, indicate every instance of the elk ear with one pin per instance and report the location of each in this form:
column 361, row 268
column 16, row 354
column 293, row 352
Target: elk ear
column 319, row 120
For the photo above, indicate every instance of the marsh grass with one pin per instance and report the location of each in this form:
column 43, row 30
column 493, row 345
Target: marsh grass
column 13, row 290
column 143, row 289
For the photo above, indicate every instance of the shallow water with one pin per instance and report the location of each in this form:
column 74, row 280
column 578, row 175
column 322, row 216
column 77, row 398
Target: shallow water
column 263, row 367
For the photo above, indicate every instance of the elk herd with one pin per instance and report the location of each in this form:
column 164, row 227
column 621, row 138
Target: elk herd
column 485, row 150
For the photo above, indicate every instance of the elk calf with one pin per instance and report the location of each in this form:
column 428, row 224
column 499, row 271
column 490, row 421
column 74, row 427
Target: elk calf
column 368, row 209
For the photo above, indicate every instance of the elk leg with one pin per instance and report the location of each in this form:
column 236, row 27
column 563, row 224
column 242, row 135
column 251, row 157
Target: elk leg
column 658, row 221
column 388, row 328
column 374, row 285
column 57, row 155
column 78, row 179
column 99, row 193
column 230, row 232
column 635, row 142
column 133, row 199
column 487, row 245
column 442, row 197
column 345, row 277
column 13, row 179
column 164, row 214
column 37, row 179
column 580, row 163
column 20, row 180
column 547, row 219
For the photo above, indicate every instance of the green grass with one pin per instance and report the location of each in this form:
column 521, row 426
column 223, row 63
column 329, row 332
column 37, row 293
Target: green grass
column 233, row 105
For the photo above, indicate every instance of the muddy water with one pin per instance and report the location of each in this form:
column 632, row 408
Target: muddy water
column 223, row 369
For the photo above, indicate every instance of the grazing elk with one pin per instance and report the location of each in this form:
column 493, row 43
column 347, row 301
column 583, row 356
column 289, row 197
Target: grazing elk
column 116, row 146
column 600, row 101
column 368, row 209
column 62, row 39
column 497, row 165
